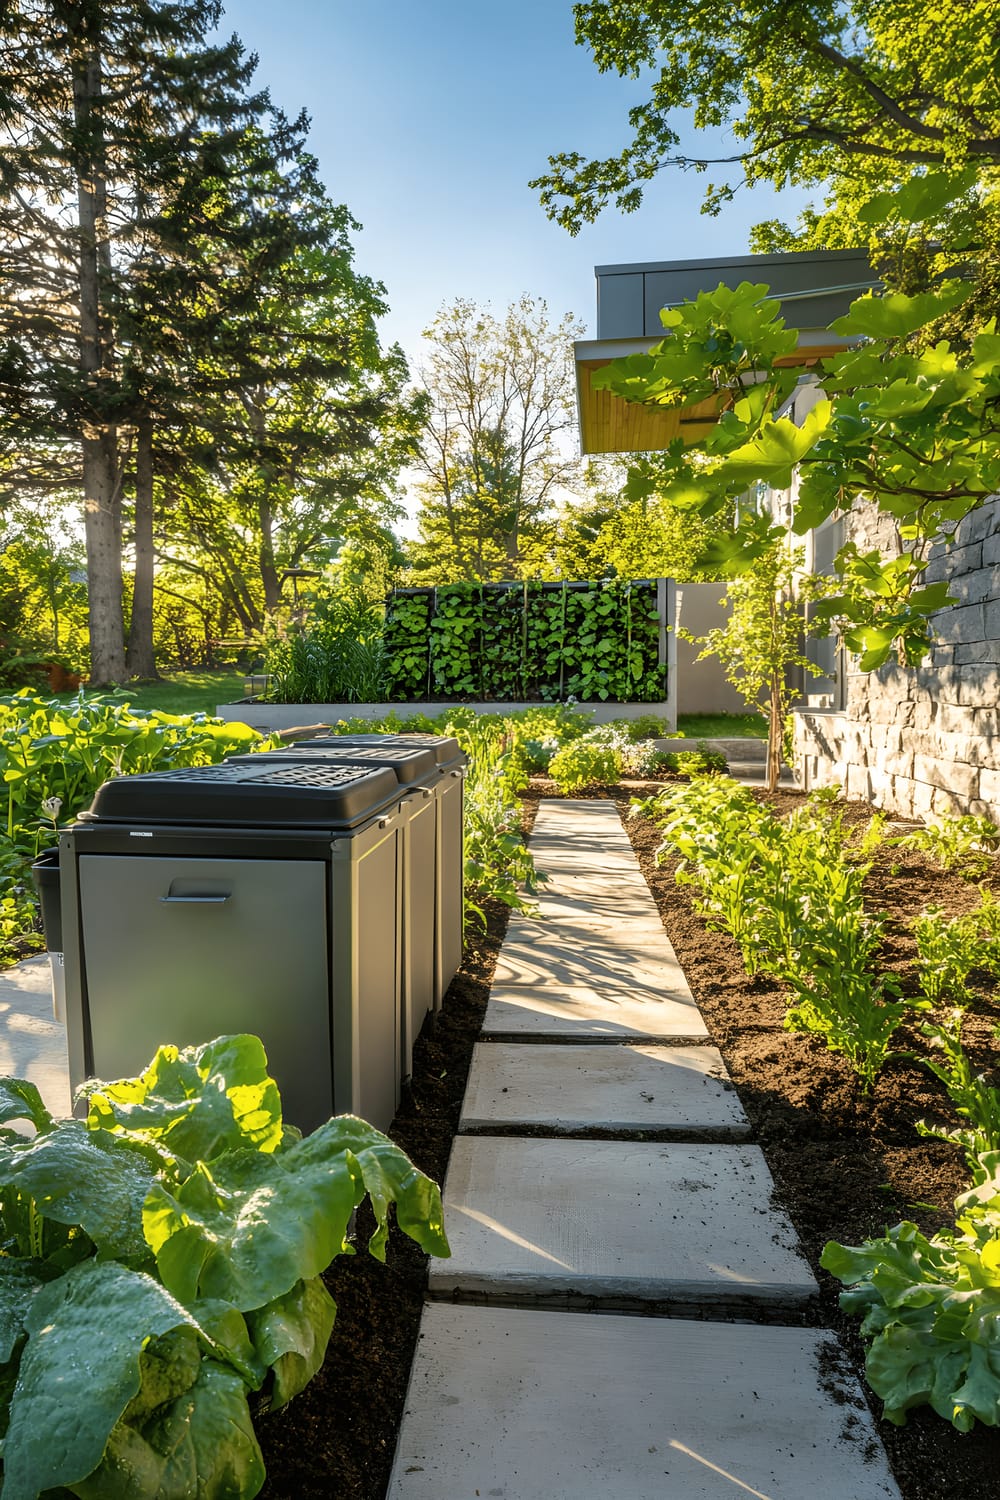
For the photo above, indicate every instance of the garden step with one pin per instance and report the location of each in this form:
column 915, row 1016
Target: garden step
column 546, row 1405
column 32, row 1044
column 620, row 1223
column 612, row 904
column 643, row 962
column 584, row 1013
column 553, row 937
column 681, row 1090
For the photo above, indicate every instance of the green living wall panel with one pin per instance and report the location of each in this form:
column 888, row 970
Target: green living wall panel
column 516, row 642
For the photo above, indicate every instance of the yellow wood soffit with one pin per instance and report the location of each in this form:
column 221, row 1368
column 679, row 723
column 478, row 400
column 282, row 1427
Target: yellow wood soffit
column 610, row 425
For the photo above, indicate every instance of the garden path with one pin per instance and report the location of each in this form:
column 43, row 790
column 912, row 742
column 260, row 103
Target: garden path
column 602, row 1173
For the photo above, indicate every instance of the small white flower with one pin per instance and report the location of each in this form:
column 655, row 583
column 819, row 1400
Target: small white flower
column 51, row 807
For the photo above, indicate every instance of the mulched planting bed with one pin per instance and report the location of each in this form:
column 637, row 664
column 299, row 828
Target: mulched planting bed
column 845, row 1166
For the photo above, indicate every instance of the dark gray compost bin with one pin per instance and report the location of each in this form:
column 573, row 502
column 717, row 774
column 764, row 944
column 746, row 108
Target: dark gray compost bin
column 449, row 869
column 415, row 768
column 231, row 898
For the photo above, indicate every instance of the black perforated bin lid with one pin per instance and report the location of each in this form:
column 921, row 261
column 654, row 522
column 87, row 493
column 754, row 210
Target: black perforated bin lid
column 444, row 747
column 292, row 794
column 408, row 763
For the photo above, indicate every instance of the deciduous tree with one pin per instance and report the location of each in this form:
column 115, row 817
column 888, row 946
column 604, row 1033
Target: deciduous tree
column 499, row 448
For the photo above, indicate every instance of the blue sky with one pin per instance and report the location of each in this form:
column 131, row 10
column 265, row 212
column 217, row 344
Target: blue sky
column 430, row 116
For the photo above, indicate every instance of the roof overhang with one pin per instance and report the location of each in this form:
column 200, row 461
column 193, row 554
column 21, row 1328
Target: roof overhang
column 608, row 424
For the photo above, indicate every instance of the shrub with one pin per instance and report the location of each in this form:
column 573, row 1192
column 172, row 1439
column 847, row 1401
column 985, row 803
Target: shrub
column 582, row 764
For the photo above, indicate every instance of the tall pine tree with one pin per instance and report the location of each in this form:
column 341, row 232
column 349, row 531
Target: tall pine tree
column 104, row 109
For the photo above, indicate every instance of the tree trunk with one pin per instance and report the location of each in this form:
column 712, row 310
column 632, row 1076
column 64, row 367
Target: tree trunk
column 775, row 733
column 140, row 659
column 268, row 571
column 101, row 502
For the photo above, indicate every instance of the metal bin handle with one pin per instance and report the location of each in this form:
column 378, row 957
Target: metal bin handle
column 195, row 900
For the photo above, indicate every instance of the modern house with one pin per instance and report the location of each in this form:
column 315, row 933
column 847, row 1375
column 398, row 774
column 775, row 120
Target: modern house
column 916, row 741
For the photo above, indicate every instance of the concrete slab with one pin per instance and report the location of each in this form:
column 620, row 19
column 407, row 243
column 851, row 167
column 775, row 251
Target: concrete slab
column 681, row 1089
column 548, row 1405
column 573, row 931
column 32, row 1044
column 646, row 965
column 584, row 1013
column 622, row 1222
column 613, row 903
column 589, row 856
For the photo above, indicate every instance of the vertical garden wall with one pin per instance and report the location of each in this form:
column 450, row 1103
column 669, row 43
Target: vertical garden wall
column 528, row 642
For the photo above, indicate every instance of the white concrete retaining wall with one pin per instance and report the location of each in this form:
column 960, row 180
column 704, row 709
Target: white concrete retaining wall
column 925, row 742
column 300, row 715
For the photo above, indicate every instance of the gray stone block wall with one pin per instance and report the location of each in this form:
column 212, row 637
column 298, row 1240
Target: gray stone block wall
column 924, row 742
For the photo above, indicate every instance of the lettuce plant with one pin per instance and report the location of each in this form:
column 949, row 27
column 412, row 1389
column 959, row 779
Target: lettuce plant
column 160, row 1272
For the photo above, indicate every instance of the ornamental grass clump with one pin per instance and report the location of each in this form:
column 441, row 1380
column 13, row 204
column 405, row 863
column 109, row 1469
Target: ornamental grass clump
column 160, row 1275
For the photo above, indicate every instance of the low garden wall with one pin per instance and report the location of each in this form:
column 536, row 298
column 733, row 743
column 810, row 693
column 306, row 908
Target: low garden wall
column 278, row 716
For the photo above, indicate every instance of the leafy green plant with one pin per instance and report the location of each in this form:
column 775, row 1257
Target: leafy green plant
column 582, row 764
column 950, row 949
column 337, row 656
column 975, row 1100
column 930, row 1305
column 498, row 863
column 965, row 844
column 701, row 761
column 947, row 952
column 551, row 641
column 790, row 894
column 50, row 750
column 161, row 1275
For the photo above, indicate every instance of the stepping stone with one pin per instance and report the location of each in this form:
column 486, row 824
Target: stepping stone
column 680, row 1089
column 550, row 941
column 619, row 1012
column 615, row 903
column 32, row 1043
column 621, row 1222
column 646, row 966
column 590, row 856
column 548, row 1405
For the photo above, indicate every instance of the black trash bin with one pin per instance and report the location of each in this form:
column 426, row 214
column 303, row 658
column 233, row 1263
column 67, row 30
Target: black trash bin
column 232, row 898
column 48, row 884
column 415, row 768
column 449, row 870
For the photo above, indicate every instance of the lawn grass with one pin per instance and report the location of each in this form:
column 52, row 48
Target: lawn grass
column 191, row 692
column 722, row 726
column 186, row 692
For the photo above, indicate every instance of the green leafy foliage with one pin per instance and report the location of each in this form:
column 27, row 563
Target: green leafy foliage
column 336, row 656
column 914, row 431
column 965, row 843
column 583, row 764
column 974, row 1099
column 789, row 892
column 930, row 1305
column 161, row 1271
column 591, row 642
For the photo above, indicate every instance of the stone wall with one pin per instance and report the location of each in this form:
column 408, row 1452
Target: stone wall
column 924, row 742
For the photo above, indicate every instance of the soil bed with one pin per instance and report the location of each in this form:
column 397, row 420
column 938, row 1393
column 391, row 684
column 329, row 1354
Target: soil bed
column 845, row 1166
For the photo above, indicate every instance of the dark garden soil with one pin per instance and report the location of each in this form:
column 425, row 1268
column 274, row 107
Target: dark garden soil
column 844, row 1165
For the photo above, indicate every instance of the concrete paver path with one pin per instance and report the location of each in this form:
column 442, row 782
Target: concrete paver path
column 510, row 1397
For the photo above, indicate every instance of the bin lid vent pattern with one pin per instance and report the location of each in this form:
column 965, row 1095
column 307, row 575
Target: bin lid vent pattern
column 252, row 792
column 411, row 763
column 444, row 747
